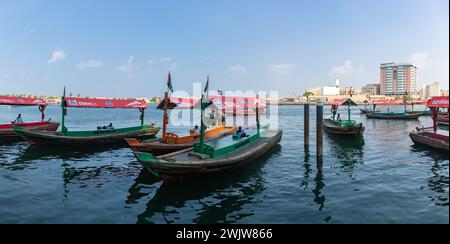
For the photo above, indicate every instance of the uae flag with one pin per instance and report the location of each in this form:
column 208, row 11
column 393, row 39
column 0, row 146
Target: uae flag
column 169, row 83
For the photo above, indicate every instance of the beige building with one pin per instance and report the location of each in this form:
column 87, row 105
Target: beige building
column 371, row 89
column 430, row 90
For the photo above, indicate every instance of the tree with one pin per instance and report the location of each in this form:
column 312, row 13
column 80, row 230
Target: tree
column 307, row 94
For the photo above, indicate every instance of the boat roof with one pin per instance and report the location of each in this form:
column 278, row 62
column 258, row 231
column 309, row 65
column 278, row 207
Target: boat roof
column 345, row 101
column 104, row 103
column 387, row 101
column 438, row 102
column 221, row 102
column 179, row 102
column 23, row 101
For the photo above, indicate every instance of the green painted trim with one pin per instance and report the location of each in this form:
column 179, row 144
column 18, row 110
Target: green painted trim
column 219, row 152
column 107, row 132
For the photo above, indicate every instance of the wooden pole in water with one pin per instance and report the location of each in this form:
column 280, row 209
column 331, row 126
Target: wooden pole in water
column 319, row 131
column 306, row 129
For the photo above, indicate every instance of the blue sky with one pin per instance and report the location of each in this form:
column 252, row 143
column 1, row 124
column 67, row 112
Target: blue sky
column 125, row 48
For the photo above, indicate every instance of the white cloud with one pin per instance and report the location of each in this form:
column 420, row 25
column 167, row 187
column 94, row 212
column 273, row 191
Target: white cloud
column 346, row 71
column 281, row 68
column 90, row 64
column 57, row 55
column 128, row 67
column 421, row 60
column 238, row 69
column 161, row 60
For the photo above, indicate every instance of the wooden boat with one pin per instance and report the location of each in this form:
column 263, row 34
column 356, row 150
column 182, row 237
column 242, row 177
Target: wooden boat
column 422, row 113
column 430, row 136
column 171, row 142
column 99, row 137
column 393, row 115
column 216, row 156
column 343, row 127
column 175, row 143
column 7, row 132
column 367, row 110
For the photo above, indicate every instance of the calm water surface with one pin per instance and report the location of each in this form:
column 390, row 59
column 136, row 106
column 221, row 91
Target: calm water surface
column 382, row 178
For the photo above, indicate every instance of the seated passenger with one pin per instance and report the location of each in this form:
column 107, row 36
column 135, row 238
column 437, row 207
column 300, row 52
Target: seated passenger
column 110, row 127
column 18, row 120
column 195, row 131
column 338, row 118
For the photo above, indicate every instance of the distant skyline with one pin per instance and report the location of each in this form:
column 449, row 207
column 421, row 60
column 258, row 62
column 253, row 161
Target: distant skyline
column 110, row 48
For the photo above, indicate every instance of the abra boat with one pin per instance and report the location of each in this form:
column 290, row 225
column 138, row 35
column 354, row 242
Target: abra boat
column 366, row 110
column 343, row 127
column 7, row 132
column 99, row 137
column 221, row 155
column 430, row 136
column 393, row 115
column 170, row 142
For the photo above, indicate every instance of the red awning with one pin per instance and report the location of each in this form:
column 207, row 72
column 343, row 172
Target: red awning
column 438, row 102
column 387, row 102
column 339, row 102
column 179, row 102
column 240, row 103
column 104, row 103
column 23, row 101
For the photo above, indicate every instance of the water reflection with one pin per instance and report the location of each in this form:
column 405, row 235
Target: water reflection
column 319, row 180
column 214, row 198
column 438, row 181
column 350, row 153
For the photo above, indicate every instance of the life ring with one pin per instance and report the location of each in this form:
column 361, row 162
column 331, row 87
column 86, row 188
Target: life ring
column 333, row 109
column 41, row 108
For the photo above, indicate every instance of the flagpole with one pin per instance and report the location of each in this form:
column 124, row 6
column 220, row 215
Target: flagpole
column 63, row 108
column 166, row 101
column 202, row 126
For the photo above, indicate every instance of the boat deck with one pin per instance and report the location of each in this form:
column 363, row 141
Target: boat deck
column 188, row 157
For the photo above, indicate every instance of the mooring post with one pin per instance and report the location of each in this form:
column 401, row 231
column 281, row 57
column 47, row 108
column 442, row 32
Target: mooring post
column 319, row 131
column 306, row 124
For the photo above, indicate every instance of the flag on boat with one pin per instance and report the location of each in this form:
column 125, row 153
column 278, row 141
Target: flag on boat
column 169, row 83
column 205, row 99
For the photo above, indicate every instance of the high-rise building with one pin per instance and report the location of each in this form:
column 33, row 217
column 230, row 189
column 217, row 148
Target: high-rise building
column 398, row 79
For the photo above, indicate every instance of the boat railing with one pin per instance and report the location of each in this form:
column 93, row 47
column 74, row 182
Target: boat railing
column 347, row 123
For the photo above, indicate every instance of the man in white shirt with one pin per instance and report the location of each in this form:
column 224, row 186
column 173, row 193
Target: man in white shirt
column 18, row 120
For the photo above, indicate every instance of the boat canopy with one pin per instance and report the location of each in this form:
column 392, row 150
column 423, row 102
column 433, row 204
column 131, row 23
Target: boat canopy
column 438, row 102
column 339, row 102
column 23, row 101
column 387, row 102
column 221, row 102
column 238, row 103
column 178, row 102
column 105, row 103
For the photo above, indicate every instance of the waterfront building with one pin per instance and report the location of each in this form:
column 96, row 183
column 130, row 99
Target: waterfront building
column 398, row 79
column 371, row 89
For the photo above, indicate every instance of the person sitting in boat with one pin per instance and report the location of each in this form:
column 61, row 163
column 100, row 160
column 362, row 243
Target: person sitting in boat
column 338, row 117
column 195, row 131
column 240, row 132
column 18, row 120
column 110, row 127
